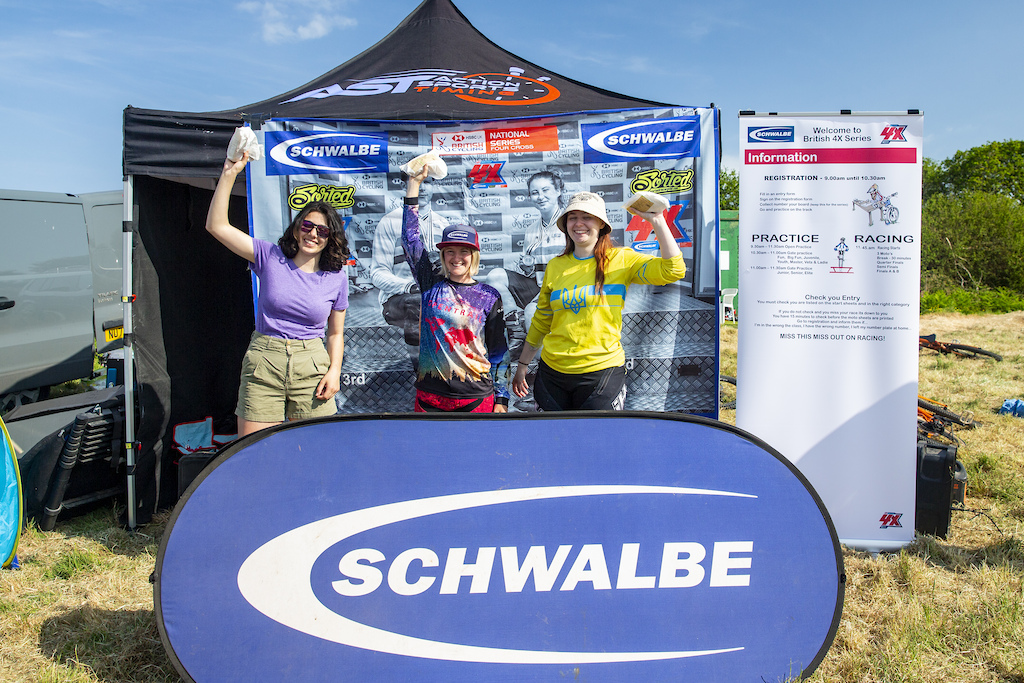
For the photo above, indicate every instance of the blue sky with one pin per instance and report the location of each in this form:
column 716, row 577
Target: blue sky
column 69, row 68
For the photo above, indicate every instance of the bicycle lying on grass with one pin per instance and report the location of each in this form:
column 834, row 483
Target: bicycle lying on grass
column 935, row 421
column 960, row 350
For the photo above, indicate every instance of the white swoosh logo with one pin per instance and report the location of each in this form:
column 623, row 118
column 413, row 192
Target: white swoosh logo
column 275, row 579
column 279, row 153
column 598, row 141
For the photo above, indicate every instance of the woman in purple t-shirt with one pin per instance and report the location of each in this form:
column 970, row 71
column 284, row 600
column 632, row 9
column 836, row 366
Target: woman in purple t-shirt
column 290, row 371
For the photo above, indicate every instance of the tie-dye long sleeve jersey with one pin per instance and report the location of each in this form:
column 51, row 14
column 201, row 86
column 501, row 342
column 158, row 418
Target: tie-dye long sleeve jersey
column 463, row 351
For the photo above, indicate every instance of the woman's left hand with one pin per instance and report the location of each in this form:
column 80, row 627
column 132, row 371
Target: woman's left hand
column 499, row 408
column 328, row 386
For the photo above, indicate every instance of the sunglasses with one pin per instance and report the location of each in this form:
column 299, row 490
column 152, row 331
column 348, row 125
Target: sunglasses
column 321, row 230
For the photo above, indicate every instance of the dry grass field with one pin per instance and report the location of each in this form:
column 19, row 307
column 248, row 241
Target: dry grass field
column 80, row 610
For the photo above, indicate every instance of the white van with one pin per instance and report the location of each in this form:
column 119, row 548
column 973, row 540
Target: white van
column 60, row 283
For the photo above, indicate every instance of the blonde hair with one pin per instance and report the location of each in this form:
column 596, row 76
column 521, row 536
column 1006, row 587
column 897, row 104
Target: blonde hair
column 474, row 263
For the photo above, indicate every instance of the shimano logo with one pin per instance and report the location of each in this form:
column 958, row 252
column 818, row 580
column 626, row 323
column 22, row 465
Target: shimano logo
column 770, row 134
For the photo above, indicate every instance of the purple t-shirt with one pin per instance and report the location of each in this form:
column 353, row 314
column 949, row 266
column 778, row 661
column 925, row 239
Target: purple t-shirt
column 294, row 304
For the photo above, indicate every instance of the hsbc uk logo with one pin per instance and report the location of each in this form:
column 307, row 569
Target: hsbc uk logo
column 893, row 134
column 890, row 520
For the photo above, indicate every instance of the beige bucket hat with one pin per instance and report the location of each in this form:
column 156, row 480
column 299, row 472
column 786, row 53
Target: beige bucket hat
column 587, row 202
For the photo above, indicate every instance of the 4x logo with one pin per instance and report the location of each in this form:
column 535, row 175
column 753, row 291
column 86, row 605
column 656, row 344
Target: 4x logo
column 890, row 519
column 893, row 134
column 673, row 216
column 486, row 175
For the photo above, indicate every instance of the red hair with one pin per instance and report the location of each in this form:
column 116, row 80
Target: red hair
column 602, row 252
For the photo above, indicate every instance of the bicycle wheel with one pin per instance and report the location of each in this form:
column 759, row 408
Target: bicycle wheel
column 727, row 392
column 947, row 414
column 973, row 352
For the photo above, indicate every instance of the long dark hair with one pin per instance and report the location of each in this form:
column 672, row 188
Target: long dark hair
column 335, row 254
column 602, row 252
column 556, row 181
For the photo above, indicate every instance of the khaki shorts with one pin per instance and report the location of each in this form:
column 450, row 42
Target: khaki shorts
column 279, row 378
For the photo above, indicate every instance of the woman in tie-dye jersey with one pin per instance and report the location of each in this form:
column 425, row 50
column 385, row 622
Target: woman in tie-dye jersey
column 464, row 362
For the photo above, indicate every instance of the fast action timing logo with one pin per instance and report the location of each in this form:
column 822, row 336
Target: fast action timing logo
column 770, row 134
column 336, row 578
column 508, row 89
column 297, row 152
column 652, row 139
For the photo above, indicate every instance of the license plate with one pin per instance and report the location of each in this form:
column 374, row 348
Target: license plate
column 114, row 333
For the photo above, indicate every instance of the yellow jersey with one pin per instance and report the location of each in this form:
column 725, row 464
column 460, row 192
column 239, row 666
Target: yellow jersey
column 580, row 330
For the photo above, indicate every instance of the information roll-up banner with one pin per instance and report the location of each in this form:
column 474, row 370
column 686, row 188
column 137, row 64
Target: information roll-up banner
column 509, row 180
column 830, row 226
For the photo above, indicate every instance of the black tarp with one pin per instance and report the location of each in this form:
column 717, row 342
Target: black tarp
column 193, row 313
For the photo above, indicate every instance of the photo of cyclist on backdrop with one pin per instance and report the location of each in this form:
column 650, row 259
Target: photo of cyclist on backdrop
column 520, row 285
column 389, row 271
column 578, row 320
column 463, row 355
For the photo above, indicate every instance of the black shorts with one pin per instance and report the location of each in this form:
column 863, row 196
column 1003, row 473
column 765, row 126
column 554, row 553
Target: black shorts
column 600, row 390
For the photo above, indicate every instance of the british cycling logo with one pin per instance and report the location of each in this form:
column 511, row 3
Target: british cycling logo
column 770, row 134
column 893, row 133
column 890, row 520
column 510, row 88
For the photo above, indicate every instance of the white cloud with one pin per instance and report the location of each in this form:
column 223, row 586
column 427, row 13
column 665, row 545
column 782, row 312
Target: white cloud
column 296, row 20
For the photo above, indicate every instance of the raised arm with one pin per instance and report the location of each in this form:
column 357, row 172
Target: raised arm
column 217, row 223
column 412, row 239
column 668, row 245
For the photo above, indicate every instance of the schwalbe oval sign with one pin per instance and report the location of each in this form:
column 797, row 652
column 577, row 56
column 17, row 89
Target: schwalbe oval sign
column 588, row 546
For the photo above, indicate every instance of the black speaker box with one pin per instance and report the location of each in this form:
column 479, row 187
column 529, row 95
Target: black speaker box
column 936, row 469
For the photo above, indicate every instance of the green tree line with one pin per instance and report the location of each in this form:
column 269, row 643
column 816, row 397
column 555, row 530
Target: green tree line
column 972, row 229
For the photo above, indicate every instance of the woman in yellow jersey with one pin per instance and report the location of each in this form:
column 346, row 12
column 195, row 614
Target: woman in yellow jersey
column 579, row 310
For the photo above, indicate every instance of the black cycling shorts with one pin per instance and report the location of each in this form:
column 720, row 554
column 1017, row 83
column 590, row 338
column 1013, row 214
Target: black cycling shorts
column 600, row 390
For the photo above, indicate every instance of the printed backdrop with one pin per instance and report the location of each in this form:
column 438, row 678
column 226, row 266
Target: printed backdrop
column 670, row 334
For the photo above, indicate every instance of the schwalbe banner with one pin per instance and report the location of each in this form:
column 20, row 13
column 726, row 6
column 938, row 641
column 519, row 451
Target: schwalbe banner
column 599, row 547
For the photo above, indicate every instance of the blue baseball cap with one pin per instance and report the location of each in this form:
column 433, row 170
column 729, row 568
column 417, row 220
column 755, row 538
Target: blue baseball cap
column 459, row 235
